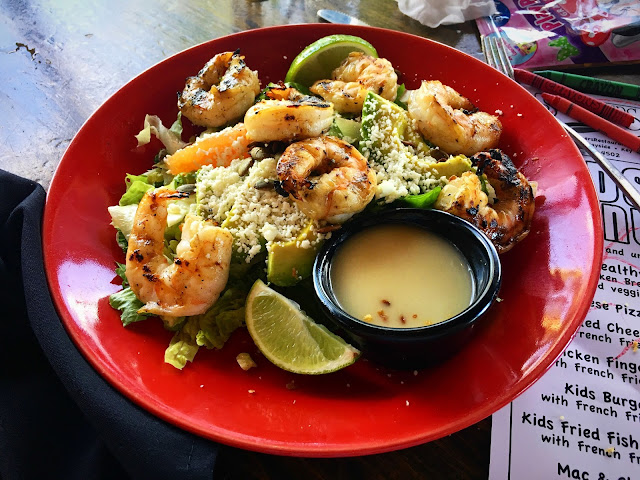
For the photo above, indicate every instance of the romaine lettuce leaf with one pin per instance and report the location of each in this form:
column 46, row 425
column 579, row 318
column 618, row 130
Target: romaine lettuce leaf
column 183, row 346
column 176, row 127
column 401, row 91
column 122, row 217
column 218, row 323
column 122, row 241
column 137, row 186
column 128, row 304
column 121, row 271
column 211, row 329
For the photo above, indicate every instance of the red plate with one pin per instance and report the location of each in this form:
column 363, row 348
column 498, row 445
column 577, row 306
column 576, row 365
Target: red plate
column 549, row 279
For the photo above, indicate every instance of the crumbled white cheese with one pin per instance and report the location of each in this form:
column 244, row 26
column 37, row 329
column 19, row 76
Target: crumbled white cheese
column 217, row 188
column 404, row 169
column 256, row 217
column 269, row 232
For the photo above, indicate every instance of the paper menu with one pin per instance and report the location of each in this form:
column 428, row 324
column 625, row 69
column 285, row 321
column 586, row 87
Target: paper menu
column 581, row 420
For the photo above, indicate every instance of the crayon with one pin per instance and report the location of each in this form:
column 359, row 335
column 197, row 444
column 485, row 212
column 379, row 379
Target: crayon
column 607, row 88
column 593, row 105
column 576, row 112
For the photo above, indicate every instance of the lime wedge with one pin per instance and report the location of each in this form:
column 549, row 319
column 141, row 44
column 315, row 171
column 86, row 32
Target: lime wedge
column 289, row 338
column 318, row 60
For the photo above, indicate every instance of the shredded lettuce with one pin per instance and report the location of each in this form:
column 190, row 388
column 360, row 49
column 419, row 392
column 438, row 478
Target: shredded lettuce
column 213, row 328
column 125, row 300
column 172, row 237
column 134, row 193
column 129, row 179
column 144, row 136
column 170, row 137
column 122, row 216
column 173, row 324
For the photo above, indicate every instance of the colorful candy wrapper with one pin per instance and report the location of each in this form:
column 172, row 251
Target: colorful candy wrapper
column 552, row 33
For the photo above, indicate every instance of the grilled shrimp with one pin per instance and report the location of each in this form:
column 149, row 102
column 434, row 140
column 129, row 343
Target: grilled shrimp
column 354, row 78
column 199, row 272
column 508, row 220
column 328, row 178
column 221, row 92
column 288, row 115
column 450, row 121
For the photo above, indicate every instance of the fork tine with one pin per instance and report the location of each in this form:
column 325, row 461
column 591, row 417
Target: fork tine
column 501, row 47
column 487, row 52
column 495, row 53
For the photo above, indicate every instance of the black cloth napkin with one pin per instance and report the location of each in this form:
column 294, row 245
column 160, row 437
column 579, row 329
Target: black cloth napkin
column 58, row 417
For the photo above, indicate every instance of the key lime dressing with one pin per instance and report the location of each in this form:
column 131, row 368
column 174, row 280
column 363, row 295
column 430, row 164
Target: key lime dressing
column 401, row 276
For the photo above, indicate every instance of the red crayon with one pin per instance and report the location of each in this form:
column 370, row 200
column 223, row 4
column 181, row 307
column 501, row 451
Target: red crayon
column 593, row 105
column 576, row 112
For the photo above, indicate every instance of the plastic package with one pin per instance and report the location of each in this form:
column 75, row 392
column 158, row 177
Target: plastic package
column 552, row 33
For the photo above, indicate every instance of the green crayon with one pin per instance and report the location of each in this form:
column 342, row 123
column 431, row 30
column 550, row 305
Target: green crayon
column 608, row 88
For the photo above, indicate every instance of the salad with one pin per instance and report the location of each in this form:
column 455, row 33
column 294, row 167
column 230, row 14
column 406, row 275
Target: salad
column 237, row 214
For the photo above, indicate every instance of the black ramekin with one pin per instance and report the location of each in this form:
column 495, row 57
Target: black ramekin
column 420, row 346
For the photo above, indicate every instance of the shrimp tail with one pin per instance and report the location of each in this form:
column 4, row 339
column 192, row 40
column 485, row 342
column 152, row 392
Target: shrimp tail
column 500, row 163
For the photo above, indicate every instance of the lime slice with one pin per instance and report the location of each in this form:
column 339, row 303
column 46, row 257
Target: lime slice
column 318, row 60
column 289, row 338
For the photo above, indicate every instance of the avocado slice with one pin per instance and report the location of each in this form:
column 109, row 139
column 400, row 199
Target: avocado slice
column 454, row 165
column 381, row 114
column 288, row 262
column 346, row 128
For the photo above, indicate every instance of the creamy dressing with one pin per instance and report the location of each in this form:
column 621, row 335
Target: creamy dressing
column 401, row 276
